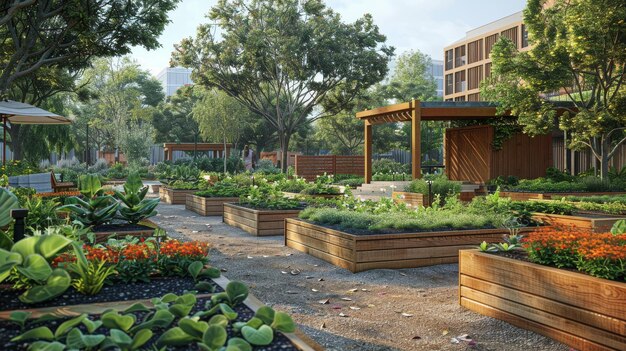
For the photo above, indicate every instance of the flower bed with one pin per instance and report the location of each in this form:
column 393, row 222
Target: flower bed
column 581, row 311
column 257, row 222
column 207, row 206
column 383, row 251
column 174, row 196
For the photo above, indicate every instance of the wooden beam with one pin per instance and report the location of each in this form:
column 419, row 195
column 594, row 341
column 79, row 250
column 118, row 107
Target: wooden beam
column 368, row 153
column 416, row 150
column 384, row 110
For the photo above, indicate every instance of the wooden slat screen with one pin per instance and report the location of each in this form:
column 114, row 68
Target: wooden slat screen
column 511, row 34
column 474, row 77
column 475, row 51
column 490, row 41
column 309, row 167
column 523, row 156
column 468, row 152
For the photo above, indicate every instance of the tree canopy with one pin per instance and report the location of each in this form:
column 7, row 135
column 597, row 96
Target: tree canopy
column 578, row 55
column 70, row 33
column 411, row 78
column 283, row 58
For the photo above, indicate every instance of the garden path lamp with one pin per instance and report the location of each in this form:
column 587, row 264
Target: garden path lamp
column 20, row 113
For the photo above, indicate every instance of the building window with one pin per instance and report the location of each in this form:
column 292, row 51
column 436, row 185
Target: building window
column 490, row 41
column 474, row 77
column 449, row 59
column 449, row 84
column 524, row 36
column 473, row 97
column 460, row 98
column 511, row 34
column 459, row 56
column 487, row 69
column 475, row 51
column 460, row 85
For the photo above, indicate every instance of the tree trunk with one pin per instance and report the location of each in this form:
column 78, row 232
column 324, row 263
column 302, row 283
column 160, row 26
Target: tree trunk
column 604, row 158
column 284, row 147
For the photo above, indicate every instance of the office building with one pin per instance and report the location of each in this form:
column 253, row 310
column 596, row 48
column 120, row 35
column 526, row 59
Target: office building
column 173, row 78
column 467, row 62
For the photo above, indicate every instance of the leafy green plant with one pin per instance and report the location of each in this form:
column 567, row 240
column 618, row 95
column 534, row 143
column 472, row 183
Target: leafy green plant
column 486, row 247
column 268, row 197
column 8, row 202
column 135, row 206
column 41, row 213
column 619, row 227
column 225, row 188
column 90, row 275
column 96, row 208
column 440, row 186
column 29, row 257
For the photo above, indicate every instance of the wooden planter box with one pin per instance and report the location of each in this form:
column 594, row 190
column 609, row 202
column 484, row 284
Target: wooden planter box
column 258, row 222
column 522, row 196
column 207, row 206
column 363, row 252
column 593, row 222
column 411, row 199
column 146, row 233
column 174, row 197
column 299, row 340
column 578, row 310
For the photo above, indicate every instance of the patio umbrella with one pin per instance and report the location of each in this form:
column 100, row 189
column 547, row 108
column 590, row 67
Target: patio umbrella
column 21, row 113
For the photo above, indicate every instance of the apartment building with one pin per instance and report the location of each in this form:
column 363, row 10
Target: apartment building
column 467, row 62
column 436, row 70
column 172, row 78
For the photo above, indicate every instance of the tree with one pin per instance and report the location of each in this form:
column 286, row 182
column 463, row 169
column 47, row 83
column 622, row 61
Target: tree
column 69, row 33
column 219, row 117
column 579, row 50
column 121, row 95
column 283, row 58
column 412, row 79
column 173, row 120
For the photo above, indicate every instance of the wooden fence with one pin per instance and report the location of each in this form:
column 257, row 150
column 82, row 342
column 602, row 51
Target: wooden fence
column 309, row 167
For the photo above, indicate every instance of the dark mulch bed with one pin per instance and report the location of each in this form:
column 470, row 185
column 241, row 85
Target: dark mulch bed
column 118, row 292
column 392, row 231
column 120, row 228
column 9, row 330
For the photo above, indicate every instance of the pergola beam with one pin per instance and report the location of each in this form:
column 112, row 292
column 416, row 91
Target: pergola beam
column 416, row 143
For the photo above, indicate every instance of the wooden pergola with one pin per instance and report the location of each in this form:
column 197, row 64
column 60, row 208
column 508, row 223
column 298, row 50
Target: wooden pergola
column 216, row 148
column 415, row 112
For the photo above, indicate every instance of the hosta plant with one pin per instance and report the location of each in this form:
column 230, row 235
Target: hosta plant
column 135, row 207
column 28, row 258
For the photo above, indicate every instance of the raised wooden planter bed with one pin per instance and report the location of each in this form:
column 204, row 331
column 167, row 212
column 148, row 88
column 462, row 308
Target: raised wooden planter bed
column 523, row 196
column 578, row 310
column 363, row 252
column 258, row 222
column 174, row 196
column 411, row 199
column 596, row 222
column 299, row 340
column 140, row 233
column 208, row 206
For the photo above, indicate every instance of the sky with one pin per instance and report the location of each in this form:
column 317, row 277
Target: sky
column 425, row 25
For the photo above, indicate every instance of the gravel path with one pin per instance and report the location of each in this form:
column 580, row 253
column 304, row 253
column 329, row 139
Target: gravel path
column 407, row 309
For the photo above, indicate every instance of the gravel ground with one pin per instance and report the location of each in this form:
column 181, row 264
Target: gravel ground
column 406, row 309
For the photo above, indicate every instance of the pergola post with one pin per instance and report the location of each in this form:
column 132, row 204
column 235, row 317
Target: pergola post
column 416, row 133
column 368, row 152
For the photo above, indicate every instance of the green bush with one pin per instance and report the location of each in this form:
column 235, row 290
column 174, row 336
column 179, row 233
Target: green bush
column 225, row 188
column 441, row 186
column 351, row 182
column 387, row 166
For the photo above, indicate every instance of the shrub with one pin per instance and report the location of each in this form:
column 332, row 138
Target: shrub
column 440, row 186
column 224, row 188
column 352, row 182
column 387, row 166
column 266, row 166
column 268, row 198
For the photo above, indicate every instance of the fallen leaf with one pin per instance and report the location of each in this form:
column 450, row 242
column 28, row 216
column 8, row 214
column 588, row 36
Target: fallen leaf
column 323, row 326
column 316, row 265
column 406, row 315
column 454, row 341
column 353, row 290
column 283, row 272
column 266, row 256
column 355, row 308
column 336, row 307
column 364, row 290
column 308, row 277
column 194, row 231
column 250, row 257
column 291, row 292
column 417, row 337
column 403, row 274
column 323, row 302
column 370, row 305
column 346, row 299
column 314, row 290
column 343, row 315
column 320, row 280
column 223, row 270
column 444, row 333
column 288, row 254
column 295, row 272
column 464, row 337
